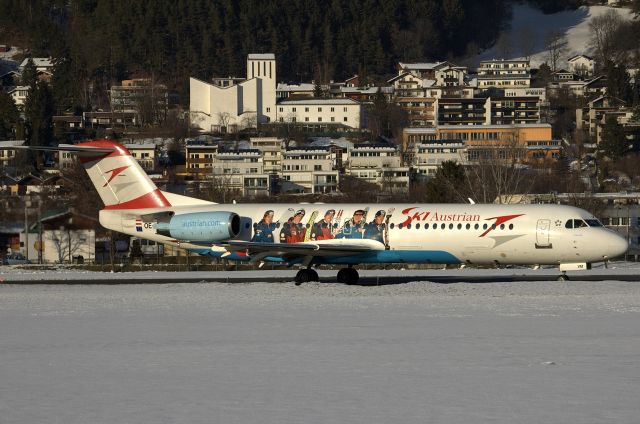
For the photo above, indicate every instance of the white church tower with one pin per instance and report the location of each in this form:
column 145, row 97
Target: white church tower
column 262, row 67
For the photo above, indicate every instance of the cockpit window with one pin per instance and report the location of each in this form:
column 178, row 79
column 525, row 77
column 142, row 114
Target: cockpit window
column 593, row 223
column 575, row 223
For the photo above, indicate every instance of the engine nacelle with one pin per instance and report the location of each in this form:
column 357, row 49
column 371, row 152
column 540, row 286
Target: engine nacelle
column 201, row 226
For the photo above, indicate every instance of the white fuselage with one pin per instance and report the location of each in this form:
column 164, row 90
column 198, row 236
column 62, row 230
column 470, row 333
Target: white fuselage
column 428, row 233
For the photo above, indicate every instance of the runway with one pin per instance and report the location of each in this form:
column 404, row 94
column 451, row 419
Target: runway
column 618, row 271
column 496, row 352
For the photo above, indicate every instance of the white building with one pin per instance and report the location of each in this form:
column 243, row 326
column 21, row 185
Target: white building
column 321, row 112
column 241, row 170
column 271, row 148
column 145, row 154
column 504, row 73
column 379, row 164
column 41, row 63
column 19, row 95
column 309, row 170
column 582, row 65
column 429, row 155
column 238, row 104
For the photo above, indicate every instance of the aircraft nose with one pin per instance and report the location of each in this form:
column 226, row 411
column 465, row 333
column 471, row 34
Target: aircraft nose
column 616, row 245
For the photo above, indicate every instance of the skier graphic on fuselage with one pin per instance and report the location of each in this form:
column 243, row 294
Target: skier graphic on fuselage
column 321, row 230
column 263, row 230
column 375, row 229
column 293, row 230
column 353, row 228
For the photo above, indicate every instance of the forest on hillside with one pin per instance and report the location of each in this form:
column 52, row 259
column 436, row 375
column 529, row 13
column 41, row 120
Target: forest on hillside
column 104, row 41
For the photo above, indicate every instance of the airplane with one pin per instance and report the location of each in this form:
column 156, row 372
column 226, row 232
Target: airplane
column 312, row 234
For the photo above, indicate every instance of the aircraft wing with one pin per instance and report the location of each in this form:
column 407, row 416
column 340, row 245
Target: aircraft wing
column 79, row 150
column 336, row 247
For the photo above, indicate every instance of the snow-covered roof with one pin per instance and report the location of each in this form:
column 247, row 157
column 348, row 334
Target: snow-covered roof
column 320, row 102
column 140, row 146
column 420, row 66
column 261, row 56
column 327, row 141
column 295, row 87
column 11, row 143
column 39, row 62
column 576, row 57
column 19, row 87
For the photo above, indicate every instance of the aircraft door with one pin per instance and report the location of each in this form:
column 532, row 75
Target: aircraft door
column 542, row 234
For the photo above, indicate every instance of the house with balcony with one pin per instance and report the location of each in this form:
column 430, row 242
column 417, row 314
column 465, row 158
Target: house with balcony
column 379, row 164
column 462, row 111
column 429, row 155
column 309, row 169
column 503, row 73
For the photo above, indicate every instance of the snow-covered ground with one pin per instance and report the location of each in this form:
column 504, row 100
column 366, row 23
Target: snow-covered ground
column 574, row 24
column 16, row 274
column 525, row 352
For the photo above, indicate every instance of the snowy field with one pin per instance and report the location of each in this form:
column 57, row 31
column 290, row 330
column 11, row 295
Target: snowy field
column 574, row 24
column 509, row 352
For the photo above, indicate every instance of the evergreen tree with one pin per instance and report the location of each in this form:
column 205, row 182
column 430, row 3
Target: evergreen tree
column 29, row 74
column 614, row 142
column 39, row 110
column 618, row 82
column 9, row 116
column 445, row 185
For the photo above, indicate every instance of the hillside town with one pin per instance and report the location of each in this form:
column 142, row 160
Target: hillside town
column 501, row 130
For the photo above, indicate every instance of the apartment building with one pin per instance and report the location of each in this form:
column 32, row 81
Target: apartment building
column 590, row 117
column 462, row 111
column 504, row 73
column 272, row 152
column 141, row 96
column 145, row 154
column 379, row 164
column 429, row 155
column 515, row 110
column 530, row 142
column 309, row 169
column 321, row 113
column 199, row 158
column 240, row 170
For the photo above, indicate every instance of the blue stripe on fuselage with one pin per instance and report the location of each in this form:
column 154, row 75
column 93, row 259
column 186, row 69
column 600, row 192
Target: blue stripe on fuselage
column 378, row 256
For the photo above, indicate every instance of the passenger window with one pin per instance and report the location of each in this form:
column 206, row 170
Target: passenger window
column 417, row 226
column 426, row 226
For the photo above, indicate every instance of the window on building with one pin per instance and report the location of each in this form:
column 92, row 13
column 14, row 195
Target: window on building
column 319, row 118
column 306, row 109
column 268, row 109
column 306, row 119
column 345, row 119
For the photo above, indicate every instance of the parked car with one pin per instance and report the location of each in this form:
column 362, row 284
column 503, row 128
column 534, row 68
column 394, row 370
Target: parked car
column 15, row 259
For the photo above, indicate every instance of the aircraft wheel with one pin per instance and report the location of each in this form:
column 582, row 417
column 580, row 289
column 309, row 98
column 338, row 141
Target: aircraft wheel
column 348, row 276
column 314, row 275
column 304, row 276
column 563, row 277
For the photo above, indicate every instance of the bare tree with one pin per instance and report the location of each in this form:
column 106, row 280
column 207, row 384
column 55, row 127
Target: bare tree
column 603, row 35
column 223, row 120
column 497, row 172
column 249, row 120
column 66, row 244
column 527, row 41
column 556, row 45
column 504, row 46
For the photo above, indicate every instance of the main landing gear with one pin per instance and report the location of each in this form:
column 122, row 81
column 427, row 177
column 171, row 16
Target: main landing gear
column 306, row 275
column 348, row 276
column 345, row 276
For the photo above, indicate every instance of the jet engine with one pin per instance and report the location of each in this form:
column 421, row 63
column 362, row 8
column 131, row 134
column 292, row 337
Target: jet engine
column 201, row 226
